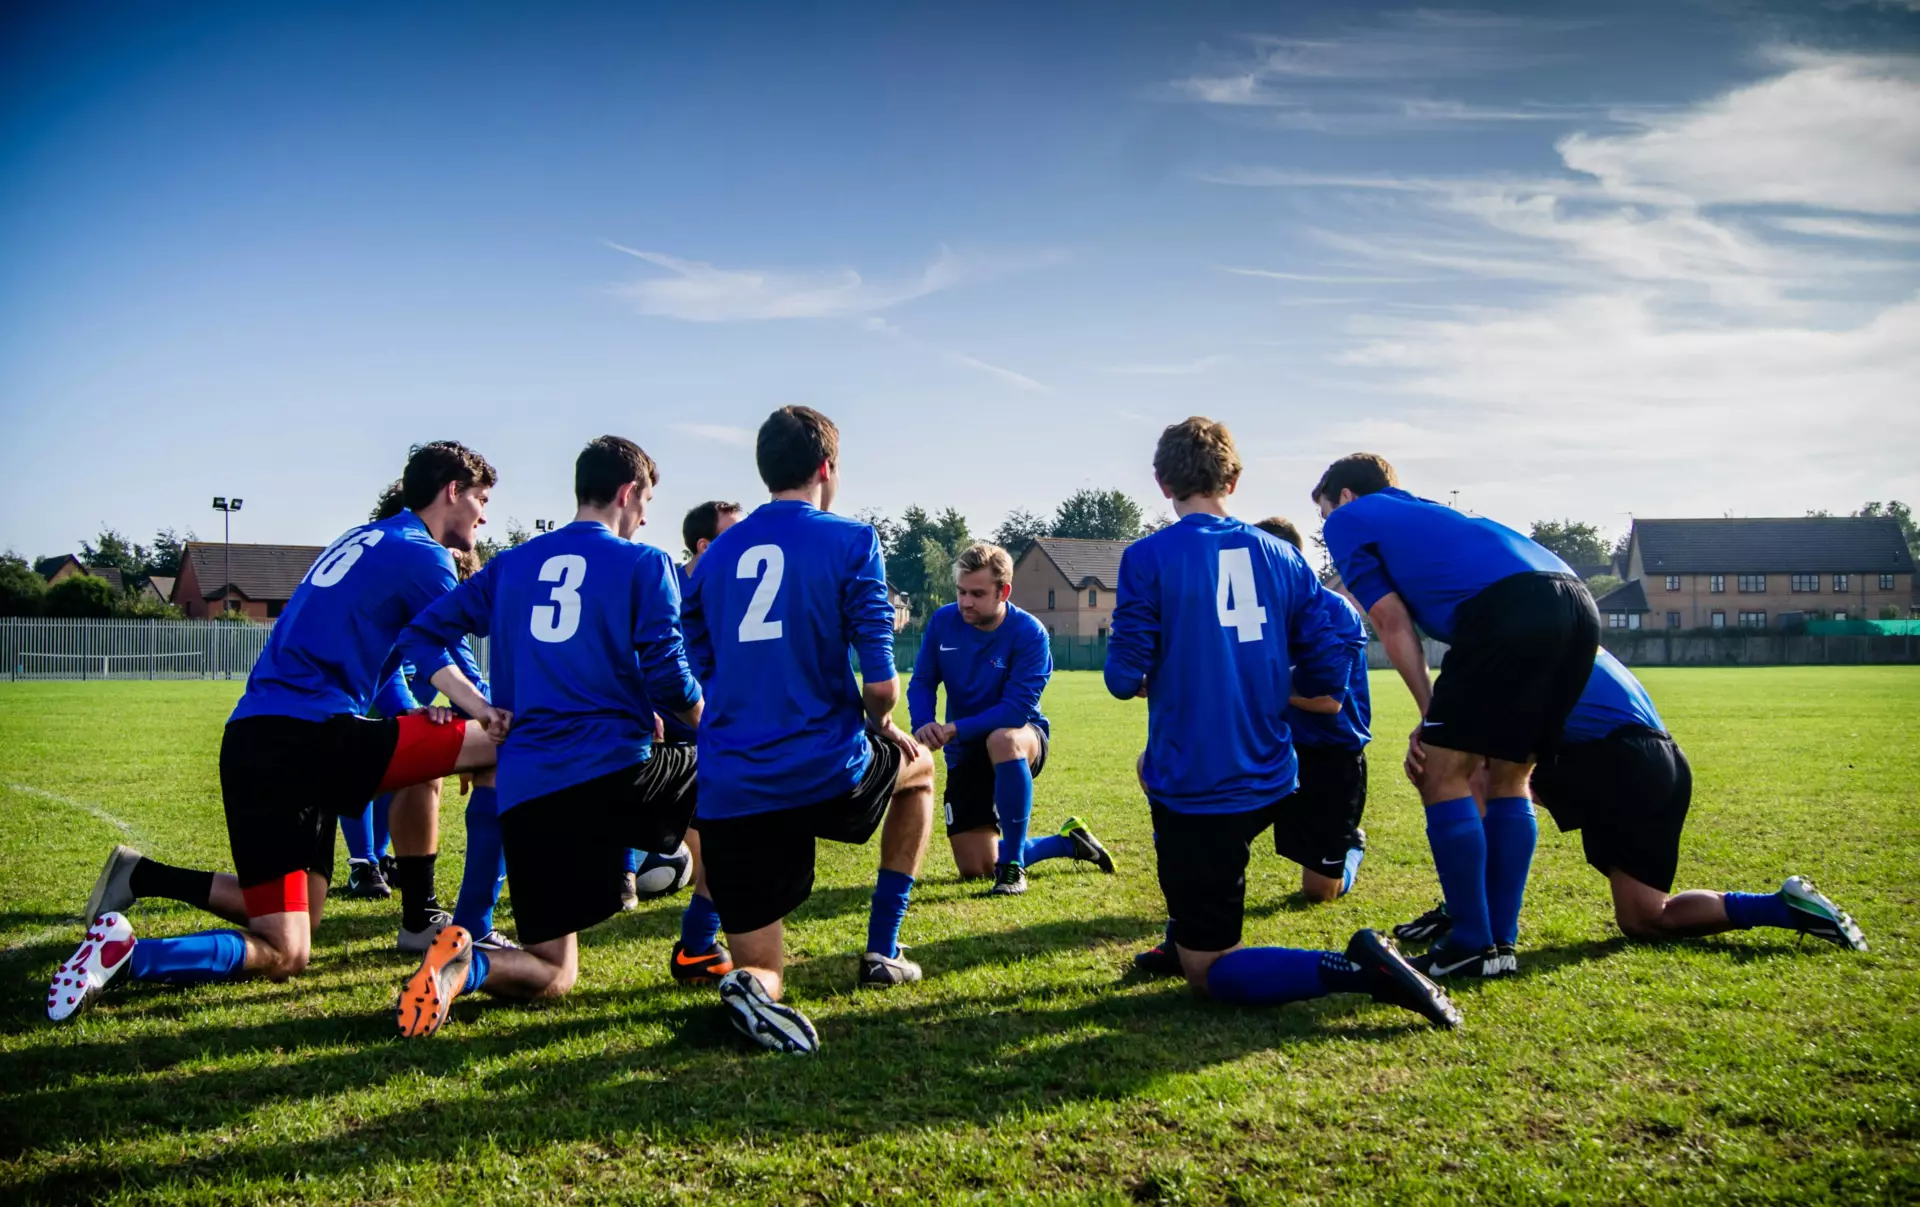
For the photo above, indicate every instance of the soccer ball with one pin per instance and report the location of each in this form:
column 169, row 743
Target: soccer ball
column 663, row 875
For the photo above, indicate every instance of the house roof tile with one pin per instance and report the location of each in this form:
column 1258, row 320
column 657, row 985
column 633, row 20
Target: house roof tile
column 1082, row 562
column 1811, row 545
column 260, row 572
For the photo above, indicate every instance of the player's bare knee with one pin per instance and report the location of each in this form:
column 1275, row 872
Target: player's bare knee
column 916, row 773
column 1319, row 890
column 1005, row 745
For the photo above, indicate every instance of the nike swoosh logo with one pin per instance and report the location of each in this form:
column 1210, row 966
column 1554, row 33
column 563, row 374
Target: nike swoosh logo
column 680, row 958
column 948, row 649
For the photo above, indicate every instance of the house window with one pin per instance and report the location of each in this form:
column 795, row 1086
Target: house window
column 1049, row 599
column 1840, row 614
column 274, row 606
column 1840, row 584
column 1717, row 584
column 1103, row 632
column 1886, row 582
column 1753, row 620
column 1616, row 620
column 1673, row 582
column 1753, row 584
column 1673, row 620
column 1093, row 597
column 1633, row 620
column 1801, row 582
column 1718, row 620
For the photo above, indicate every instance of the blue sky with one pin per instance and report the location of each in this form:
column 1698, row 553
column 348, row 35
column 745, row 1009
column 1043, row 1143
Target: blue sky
column 1566, row 260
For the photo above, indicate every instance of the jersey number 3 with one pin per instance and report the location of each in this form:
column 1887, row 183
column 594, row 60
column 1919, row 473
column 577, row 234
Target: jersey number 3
column 755, row 626
column 560, row 619
column 1239, row 606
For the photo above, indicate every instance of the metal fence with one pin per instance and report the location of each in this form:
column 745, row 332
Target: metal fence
column 1069, row 653
column 35, row 648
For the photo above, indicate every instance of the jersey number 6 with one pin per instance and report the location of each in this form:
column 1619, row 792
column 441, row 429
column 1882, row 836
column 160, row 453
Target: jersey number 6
column 755, row 626
column 560, row 619
column 339, row 558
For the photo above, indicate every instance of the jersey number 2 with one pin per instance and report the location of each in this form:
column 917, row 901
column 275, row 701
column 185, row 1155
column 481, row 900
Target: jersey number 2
column 560, row 619
column 1239, row 606
column 755, row 626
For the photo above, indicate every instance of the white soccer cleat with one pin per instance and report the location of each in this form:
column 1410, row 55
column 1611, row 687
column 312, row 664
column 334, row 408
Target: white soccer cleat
column 104, row 954
column 418, row 941
column 766, row 1022
column 113, row 891
column 1815, row 914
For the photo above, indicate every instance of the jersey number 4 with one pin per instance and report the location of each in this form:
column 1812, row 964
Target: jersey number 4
column 560, row 619
column 768, row 564
column 1235, row 598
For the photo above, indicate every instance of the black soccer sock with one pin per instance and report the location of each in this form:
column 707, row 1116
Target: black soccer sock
column 413, row 877
column 151, row 878
column 1341, row 975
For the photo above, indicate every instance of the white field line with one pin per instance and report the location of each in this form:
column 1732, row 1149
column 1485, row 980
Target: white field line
column 94, row 811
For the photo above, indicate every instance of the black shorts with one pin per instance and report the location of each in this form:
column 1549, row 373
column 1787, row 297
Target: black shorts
column 969, row 795
column 566, row 851
column 1522, row 652
column 760, row 867
column 1320, row 822
column 1628, row 795
column 283, row 780
column 1202, row 864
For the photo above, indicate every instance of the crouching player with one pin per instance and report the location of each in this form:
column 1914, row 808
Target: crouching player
column 1211, row 614
column 585, row 624
column 299, row 750
column 1622, row 781
column 791, row 750
column 1319, row 825
column 995, row 660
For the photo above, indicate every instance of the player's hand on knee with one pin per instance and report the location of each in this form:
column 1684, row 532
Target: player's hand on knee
column 1416, row 761
column 496, row 721
column 930, row 735
column 899, row 737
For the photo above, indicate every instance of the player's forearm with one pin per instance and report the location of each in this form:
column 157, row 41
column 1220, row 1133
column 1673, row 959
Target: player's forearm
column 460, row 691
column 1324, row 705
column 878, row 697
column 1410, row 659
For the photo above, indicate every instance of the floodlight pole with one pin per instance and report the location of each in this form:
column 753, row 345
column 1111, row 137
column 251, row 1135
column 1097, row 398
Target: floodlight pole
column 226, row 507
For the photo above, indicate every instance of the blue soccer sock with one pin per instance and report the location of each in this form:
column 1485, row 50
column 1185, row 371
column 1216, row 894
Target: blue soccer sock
column 1053, row 846
column 382, row 835
column 1350, row 870
column 699, row 926
column 1267, row 976
column 1013, row 801
column 890, row 892
column 1748, row 910
column 477, row 971
column 1512, row 833
column 1459, row 843
column 632, row 860
column 356, row 830
column 486, row 864
column 211, row 955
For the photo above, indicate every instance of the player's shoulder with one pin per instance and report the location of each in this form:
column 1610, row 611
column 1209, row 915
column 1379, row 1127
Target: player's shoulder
column 945, row 616
column 406, row 538
column 1024, row 622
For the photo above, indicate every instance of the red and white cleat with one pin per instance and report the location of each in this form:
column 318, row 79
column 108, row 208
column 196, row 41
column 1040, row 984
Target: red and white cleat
column 102, row 957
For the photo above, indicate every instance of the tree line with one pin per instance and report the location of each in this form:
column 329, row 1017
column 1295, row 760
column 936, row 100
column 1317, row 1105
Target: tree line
column 23, row 592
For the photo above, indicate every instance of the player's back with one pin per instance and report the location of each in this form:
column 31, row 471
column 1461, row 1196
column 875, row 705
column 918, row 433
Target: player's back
column 1351, row 727
column 1434, row 557
column 568, row 611
column 675, row 729
column 1613, row 698
column 1213, row 611
column 330, row 644
column 779, row 601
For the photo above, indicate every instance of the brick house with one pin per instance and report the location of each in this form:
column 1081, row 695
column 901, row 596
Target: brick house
column 54, row 569
column 260, row 584
column 1687, row 574
column 1069, row 584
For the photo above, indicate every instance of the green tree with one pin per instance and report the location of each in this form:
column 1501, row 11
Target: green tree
column 1600, row 584
column 22, row 591
column 1098, row 515
column 112, row 549
column 938, row 562
column 1577, row 544
column 1020, row 529
column 136, row 605
column 166, row 553
column 907, row 569
column 81, row 596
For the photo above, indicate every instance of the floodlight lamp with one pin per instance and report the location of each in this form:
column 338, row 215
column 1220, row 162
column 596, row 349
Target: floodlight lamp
column 234, row 506
column 219, row 503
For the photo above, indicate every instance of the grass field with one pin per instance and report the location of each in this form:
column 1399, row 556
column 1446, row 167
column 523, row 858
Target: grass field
column 1029, row 1065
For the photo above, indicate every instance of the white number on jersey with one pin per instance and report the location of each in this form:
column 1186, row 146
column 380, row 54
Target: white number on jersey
column 1239, row 606
column 340, row 556
column 560, row 619
column 755, row 626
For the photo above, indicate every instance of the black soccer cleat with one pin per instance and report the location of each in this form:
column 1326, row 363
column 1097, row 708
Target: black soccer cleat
column 1509, row 958
column 1442, row 963
column 1391, row 978
column 1162, row 959
column 1009, row 880
column 1087, row 848
column 365, row 882
column 1427, row 928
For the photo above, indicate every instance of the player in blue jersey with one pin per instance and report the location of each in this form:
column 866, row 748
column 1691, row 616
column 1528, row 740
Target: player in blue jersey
column 1622, row 781
column 1522, row 632
column 792, row 750
column 584, row 624
column 1218, row 625
column 299, row 750
column 995, row 661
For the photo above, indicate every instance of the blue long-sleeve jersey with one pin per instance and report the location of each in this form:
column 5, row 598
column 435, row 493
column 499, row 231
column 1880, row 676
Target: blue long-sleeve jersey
column 1351, row 727
column 1612, row 698
column 1433, row 557
column 1211, row 614
column 586, row 645
column 331, row 648
column 778, row 601
column 677, row 730
column 407, row 688
column 994, row 679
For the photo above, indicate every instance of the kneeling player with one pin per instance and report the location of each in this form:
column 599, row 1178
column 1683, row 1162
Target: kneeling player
column 586, row 630
column 299, row 750
column 791, row 750
column 995, row 660
column 1319, row 825
column 1623, row 782
column 1211, row 615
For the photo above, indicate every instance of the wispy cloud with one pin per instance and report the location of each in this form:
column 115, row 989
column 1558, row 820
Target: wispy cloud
column 892, row 331
column 1849, row 228
column 717, row 433
column 1317, row 278
column 1184, row 368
